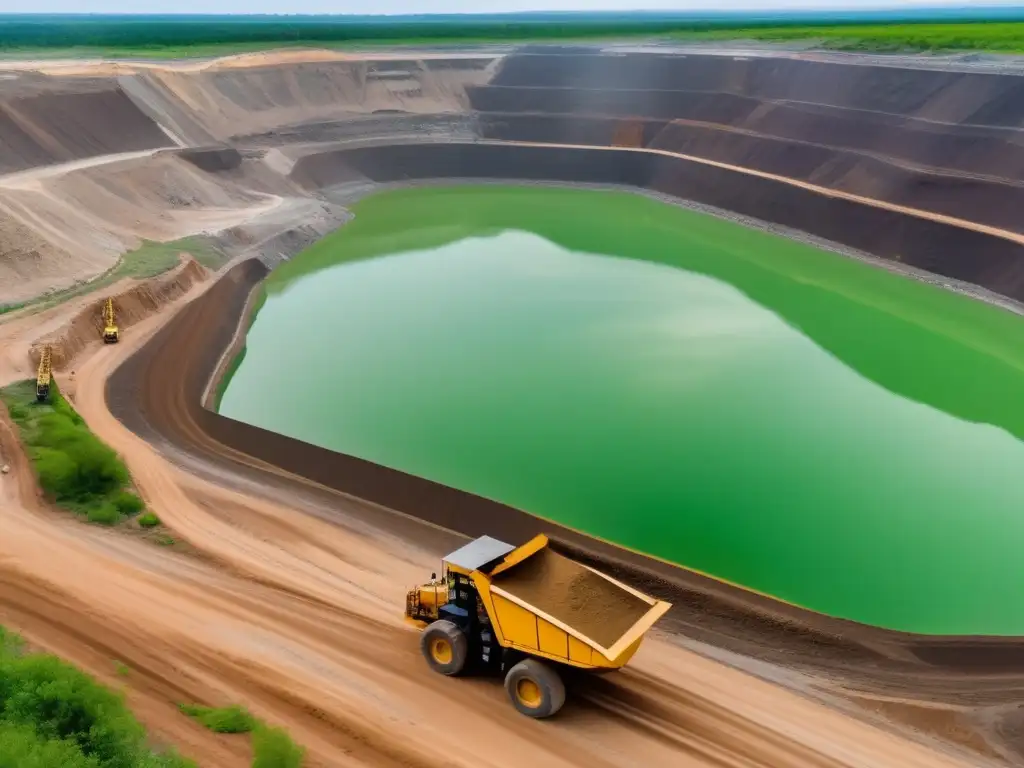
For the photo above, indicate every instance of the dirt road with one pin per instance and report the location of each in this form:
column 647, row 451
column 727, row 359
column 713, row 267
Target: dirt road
column 300, row 620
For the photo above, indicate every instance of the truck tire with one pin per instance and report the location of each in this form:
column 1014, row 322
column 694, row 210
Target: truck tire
column 445, row 647
column 535, row 689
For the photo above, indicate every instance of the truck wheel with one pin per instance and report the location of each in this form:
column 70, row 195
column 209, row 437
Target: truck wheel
column 535, row 689
column 445, row 647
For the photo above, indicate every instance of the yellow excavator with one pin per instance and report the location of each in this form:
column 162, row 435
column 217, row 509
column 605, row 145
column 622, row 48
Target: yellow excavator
column 110, row 332
column 44, row 375
column 527, row 612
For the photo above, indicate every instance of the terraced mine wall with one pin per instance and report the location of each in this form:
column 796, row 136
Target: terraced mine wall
column 992, row 262
column 946, row 142
column 937, row 95
column 59, row 125
column 220, row 103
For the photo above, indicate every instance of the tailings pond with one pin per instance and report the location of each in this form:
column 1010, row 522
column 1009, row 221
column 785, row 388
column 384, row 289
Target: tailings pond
column 778, row 416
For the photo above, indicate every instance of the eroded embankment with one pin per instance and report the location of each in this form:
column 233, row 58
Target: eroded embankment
column 987, row 200
column 220, row 102
column 938, row 95
column 131, row 306
column 157, row 394
column 947, row 142
column 49, row 120
column 943, row 249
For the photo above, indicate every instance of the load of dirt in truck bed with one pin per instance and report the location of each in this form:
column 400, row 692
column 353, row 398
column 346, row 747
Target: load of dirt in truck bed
column 576, row 596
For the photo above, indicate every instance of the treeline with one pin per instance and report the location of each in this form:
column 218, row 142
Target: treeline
column 19, row 32
column 143, row 33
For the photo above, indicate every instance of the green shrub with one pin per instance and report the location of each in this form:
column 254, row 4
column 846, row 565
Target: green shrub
column 21, row 747
column 10, row 644
column 274, row 748
column 233, row 719
column 149, row 520
column 75, row 468
column 62, row 703
column 104, row 513
column 128, row 503
column 72, row 463
column 55, row 716
column 169, row 759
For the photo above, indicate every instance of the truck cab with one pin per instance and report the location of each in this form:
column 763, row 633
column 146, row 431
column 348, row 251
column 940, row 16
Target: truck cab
column 110, row 334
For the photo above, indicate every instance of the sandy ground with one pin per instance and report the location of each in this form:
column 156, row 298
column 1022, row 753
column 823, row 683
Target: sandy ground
column 300, row 620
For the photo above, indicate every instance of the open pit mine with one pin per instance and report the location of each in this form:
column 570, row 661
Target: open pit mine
column 286, row 588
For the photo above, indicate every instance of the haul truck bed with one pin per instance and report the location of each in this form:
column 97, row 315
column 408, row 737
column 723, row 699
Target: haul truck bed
column 588, row 602
column 526, row 611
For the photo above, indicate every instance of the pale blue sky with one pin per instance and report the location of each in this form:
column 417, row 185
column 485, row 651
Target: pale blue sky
column 438, row 6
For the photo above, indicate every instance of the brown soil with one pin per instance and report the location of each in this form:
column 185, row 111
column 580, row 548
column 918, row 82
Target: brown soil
column 49, row 128
column 574, row 595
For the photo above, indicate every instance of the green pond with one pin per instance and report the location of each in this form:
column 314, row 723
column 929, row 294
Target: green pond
column 772, row 414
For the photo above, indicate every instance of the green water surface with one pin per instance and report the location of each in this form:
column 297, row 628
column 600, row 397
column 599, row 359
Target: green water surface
column 772, row 414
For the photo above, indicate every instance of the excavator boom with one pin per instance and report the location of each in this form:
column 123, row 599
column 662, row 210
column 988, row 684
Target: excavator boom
column 111, row 335
column 44, row 375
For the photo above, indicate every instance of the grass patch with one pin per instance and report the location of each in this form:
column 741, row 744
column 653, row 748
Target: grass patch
column 233, row 719
column 152, row 258
column 148, row 260
column 128, row 503
column 52, row 714
column 75, row 468
column 274, row 748
column 1001, row 37
column 149, row 520
column 271, row 747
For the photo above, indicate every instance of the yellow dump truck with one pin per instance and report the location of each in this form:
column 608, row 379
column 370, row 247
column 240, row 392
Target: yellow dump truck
column 44, row 374
column 526, row 612
column 110, row 331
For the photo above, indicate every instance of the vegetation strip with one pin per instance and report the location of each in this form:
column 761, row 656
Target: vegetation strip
column 148, row 260
column 52, row 714
column 74, row 467
column 271, row 747
column 984, row 36
column 170, row 37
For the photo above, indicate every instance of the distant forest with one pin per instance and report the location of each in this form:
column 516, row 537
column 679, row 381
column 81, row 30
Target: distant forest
column 141, row 32
column 921, row 28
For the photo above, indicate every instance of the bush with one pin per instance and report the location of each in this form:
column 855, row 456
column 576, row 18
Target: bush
column 128, row 503
column 72, row 463
column 62, row 703
column 232, row 719
column 274, row 748
column 104, row 513
column 53, row 715
column 75, row 468
column 149, row 520
column 21, row 747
